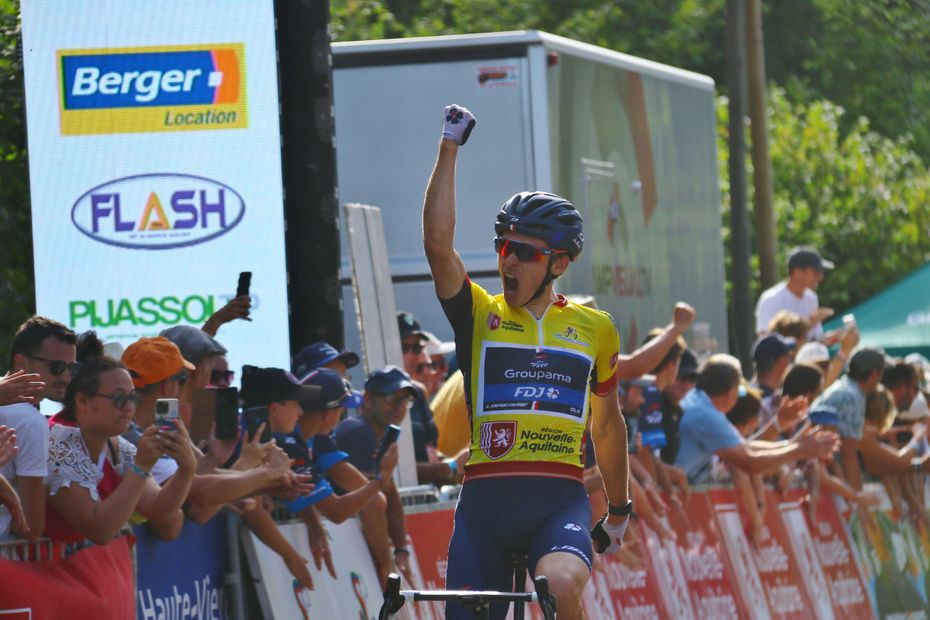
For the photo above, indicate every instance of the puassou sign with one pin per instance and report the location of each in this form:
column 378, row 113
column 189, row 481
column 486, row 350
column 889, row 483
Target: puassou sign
column 146, row 311
column 158, row 211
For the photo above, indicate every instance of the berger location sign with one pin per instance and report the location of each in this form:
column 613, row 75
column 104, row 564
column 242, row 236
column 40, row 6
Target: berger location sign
column 155, row 170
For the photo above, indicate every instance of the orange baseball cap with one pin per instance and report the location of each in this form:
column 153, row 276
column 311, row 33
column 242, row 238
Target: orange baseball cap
column 151, row 360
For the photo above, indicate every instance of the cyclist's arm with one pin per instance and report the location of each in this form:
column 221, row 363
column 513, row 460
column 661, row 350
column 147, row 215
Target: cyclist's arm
column 439, row 224
column 608, row 431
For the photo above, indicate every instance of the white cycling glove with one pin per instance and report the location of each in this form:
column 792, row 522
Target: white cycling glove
column 457, row 123
column 608, row 538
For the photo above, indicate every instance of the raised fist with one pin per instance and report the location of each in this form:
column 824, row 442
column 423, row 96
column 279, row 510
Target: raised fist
column 457, row 123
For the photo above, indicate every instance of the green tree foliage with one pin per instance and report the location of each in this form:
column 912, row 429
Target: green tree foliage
column 860, row 197
column 16, row 285
column 873, row 58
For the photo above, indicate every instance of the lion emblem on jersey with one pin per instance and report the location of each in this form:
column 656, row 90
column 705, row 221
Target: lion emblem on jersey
column 497, row 438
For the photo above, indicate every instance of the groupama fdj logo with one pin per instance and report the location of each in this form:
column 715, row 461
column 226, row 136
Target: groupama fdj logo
column 158, row 211
column 152, row 89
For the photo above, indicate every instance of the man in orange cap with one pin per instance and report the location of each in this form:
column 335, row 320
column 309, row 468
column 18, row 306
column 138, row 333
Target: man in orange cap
column 158, row 370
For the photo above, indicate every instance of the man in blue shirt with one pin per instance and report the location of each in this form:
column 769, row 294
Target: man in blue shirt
column 705, row 430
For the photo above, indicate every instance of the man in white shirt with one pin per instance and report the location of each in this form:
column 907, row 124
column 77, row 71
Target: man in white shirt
column 46, row 348
column 797, row 294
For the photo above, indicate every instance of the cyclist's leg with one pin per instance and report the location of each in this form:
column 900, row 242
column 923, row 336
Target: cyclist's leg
column 477, row 561
column 562, row 552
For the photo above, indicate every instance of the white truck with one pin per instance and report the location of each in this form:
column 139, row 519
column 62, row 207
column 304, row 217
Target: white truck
column 630, row 142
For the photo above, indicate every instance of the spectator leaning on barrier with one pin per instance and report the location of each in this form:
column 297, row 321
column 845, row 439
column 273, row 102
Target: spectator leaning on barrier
column 157, row 368
column 96, row 479
column 157, row 371
column 806, row 381
column 797, row 294
column 300, row 423
column 388, row 396
column 44, row 351
column 705, row 431
column 845, row 400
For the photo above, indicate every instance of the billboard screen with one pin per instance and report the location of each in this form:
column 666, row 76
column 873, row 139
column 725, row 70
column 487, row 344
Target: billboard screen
column 155, row 167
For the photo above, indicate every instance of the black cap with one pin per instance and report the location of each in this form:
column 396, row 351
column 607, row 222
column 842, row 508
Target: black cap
column 334, row 390
column 388, row 380
column 807, row 258
column 263, row 386
column 409, row 326
column 772, row 347
column 688, row 367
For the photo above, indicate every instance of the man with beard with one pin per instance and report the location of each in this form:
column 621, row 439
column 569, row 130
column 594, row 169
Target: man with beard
column 45, row 348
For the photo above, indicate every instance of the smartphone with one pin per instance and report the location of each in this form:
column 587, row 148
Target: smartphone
column 245, row 283
column 254, row 416
column 227, row 413
column 203, row 411
column 387, row 440
column 166, row 410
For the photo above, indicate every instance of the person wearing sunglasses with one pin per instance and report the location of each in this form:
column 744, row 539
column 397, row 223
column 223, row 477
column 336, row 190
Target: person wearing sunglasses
column 389, row 395
column 221, row 376
column 96, row 479
column 44, row 350
column 534, row 364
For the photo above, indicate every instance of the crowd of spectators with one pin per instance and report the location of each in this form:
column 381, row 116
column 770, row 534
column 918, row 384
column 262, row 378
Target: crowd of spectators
column 828, row 420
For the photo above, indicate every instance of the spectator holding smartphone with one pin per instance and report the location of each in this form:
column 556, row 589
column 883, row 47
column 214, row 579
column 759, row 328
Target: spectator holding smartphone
column 389, row 395
column 43, row 350
column 97, row 479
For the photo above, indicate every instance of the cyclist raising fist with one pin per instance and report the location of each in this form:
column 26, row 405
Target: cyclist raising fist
column 535, row 364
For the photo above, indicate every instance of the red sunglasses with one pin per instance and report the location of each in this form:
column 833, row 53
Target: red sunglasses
column 525, row 252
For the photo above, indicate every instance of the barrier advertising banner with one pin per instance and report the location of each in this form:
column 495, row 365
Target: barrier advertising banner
column 355, row 593
column 93, row 583
column 182, row 579
column 155, row 169
column 827, row 534
column 706, row 572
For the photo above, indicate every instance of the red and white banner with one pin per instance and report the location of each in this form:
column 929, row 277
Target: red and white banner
column 96, row 582
column 827, row 534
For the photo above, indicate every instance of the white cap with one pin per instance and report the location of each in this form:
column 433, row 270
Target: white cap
column 917, row 411
column 113, row 349
column 435, row 346
column 812, row 353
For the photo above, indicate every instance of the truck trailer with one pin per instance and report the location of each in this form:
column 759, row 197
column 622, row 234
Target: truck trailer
column 632, row 143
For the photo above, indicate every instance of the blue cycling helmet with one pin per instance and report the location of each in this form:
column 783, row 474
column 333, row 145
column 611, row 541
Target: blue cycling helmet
column 544, row 216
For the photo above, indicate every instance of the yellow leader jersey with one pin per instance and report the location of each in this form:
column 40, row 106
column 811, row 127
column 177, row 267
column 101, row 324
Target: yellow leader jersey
column 528, row 381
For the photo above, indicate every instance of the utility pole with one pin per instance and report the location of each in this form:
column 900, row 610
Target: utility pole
column 761, row 163
column 742, row 311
